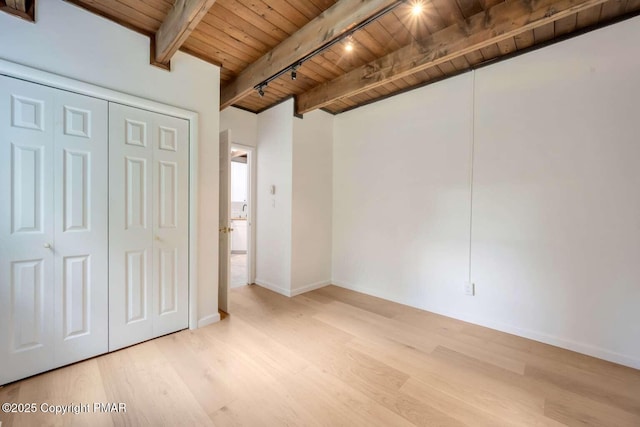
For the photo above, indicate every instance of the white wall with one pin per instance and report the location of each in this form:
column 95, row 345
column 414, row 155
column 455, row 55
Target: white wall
column 556, row 210
column 401, row 196
column 312, row 201
column 69, row 41
column 556, row 199
column 243, row 125
column 273, row 212
column 293, row 227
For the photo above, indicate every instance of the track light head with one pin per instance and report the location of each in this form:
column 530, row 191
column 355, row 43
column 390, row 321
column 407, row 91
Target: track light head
column 261, row 91
column 417, row 7
column 349, row 44
column 294, row 70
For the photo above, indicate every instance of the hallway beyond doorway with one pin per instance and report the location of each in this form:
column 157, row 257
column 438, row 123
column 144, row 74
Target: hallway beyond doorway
column 238, row 270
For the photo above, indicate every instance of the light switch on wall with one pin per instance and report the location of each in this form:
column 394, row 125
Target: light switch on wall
column 272, row 189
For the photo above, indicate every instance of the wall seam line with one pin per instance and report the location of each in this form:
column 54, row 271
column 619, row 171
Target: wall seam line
column 473, row 143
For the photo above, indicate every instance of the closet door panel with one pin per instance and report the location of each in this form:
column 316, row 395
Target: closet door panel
column 170, row 224
column 81, row 262
column 26, row 229
column 130, row 226
column 93, row 227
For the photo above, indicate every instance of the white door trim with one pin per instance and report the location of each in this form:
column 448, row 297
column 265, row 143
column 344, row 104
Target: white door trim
column 45, row 78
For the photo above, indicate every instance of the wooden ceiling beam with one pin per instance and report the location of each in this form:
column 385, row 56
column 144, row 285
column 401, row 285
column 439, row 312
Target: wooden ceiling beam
column 181, row 20
column 500, row 22
column 24, row 9
column 329, row 25
column 20, row 5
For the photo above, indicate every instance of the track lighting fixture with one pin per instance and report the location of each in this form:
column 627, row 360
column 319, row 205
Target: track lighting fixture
column 417, row 6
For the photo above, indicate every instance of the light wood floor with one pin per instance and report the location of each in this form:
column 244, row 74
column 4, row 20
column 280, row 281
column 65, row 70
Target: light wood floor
column 238, row 270
column 334, row 357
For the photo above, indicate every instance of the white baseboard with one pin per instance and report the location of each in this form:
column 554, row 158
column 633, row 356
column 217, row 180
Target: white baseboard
column 272, row 287
column 310, row 287
column 590, row 350
column 208, row 320
column 294, row 292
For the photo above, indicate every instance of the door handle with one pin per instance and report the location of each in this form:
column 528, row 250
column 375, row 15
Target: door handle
column 47, row 246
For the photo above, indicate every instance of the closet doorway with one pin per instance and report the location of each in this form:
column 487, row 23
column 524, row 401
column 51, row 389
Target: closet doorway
column 67, row 287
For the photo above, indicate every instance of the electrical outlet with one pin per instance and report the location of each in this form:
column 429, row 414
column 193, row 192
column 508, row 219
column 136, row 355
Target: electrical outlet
column 469, row 289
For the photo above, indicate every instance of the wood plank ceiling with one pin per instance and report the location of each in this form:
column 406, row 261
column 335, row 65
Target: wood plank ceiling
column 395, row 53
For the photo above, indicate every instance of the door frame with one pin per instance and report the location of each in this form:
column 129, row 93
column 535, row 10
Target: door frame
column 251, row 214
column 56, row 81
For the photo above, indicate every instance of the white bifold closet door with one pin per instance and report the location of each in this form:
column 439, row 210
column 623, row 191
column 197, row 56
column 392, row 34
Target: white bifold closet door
column 53, row 228
column 148, row 225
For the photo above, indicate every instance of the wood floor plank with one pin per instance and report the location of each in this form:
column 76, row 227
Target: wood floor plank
column 369, row 325
column 571, row 358
column 267, row 353
column 363, row 373
column 372, row 304
column 141, row 377
column 380, row 383
column 459, row 409
column 565, row 398
column 334, row 357
column 425, row 338
column 77, row 384
column 575, row 412
column 270, row 404
column 10, row 394
column 209, row 388
column 588, row 386
column 346, row 403
column 500, row 399
column 548, row 357
column 313, row 299
column 430, row 321
column 237, row 371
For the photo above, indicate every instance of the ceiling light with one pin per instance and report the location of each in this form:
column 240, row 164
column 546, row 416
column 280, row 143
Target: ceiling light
column 261, row 91
column 294, row 75
column 349, row 46
column 417, row 7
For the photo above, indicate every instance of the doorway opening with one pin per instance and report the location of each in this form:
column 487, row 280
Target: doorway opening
column 236, row 232
column 240, row 174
